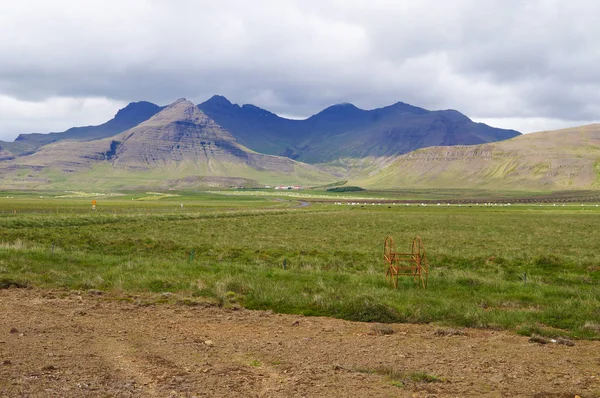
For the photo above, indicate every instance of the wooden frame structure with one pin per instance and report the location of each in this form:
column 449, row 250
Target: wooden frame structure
column 405, row 264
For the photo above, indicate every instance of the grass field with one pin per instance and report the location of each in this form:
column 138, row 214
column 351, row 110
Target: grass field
column 527, row 268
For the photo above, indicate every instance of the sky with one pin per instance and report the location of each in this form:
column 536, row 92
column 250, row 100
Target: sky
column 521, row 64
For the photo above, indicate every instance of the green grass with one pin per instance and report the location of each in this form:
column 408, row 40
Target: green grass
column 530, row 269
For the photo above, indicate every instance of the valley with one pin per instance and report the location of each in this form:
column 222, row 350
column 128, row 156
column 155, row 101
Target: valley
column 240, row 287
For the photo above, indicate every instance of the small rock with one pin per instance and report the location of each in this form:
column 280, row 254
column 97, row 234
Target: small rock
column 564, row 341
column 14, row 330
column 128, row 386
column 6, row 362
column 209, row 343
column 95, row 292
column 497, row 378
column 166, row 294
column 48, row 368
column 296, row 323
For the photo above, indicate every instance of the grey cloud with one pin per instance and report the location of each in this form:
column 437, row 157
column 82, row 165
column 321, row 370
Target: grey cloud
column 489, row 59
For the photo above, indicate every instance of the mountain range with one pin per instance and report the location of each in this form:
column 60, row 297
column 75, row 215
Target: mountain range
column 340, row 131
column 218, row 143
column 177, row 142
column 345, row 131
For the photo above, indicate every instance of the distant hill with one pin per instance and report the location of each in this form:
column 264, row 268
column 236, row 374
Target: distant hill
column 345, row 131
column 549, row 160
column 178, row 142
column 126, row 118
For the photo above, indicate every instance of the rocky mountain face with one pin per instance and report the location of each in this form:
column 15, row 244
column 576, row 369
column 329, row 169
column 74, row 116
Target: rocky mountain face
column 550, row 160
column 345, row 131
column 180, row 134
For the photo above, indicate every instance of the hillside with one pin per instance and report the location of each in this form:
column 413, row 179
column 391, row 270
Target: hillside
column 345, row 131
column 178, row 142
column 549, row 160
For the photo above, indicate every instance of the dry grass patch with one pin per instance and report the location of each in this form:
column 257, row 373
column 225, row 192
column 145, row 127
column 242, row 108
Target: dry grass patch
column 446, row 332
column 381, row 329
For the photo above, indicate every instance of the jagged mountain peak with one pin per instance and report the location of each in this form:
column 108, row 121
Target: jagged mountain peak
column 218, row 100
column 179, row 125
column 342, row 110
column 220, row 104
column 346, row 105
column 402, row 107
column 181, row 110
column 136, row 110
column 342, row 106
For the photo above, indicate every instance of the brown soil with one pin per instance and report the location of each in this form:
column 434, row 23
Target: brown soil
column 66, row 344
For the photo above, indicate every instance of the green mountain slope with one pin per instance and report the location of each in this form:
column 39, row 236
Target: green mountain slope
column 550, row 160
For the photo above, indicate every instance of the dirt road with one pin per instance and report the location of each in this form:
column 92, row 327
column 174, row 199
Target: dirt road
column 71, row 344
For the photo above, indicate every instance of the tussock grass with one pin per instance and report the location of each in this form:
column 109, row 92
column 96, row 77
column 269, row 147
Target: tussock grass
column 531, row 270
column 7, row 283
column 382, row 329
column 446, row 332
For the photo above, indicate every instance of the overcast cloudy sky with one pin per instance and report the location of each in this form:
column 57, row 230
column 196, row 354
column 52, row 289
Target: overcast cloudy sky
column 527, row 65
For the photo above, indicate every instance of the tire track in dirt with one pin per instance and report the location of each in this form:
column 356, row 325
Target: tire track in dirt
column 120, row 356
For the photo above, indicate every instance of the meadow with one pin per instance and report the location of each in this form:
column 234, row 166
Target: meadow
column 530, row 268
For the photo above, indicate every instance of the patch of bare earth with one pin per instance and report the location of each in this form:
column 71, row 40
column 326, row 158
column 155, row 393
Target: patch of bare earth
column 65, row 344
